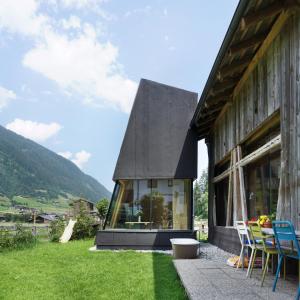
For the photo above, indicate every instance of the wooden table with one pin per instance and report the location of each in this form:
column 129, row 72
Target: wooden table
column 138, row 223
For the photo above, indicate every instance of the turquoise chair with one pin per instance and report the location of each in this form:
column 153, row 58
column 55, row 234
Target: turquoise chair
column 285, row 236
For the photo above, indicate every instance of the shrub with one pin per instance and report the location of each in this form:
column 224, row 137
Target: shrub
column 22, row 238
column 102, row 207
column 56, row 229
column 83, row 228
column 6, row 240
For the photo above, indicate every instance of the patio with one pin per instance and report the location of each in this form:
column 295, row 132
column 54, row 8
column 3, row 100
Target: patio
column 210, row 278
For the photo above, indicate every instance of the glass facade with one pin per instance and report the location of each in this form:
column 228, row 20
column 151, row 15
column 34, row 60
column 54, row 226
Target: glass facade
column 151, row 204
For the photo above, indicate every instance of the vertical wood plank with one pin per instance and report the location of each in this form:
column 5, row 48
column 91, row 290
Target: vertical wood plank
column 229, row 198
column 242, row 186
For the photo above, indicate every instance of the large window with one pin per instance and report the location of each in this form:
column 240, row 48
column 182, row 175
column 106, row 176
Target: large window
column 151, row 204
column 262, row 179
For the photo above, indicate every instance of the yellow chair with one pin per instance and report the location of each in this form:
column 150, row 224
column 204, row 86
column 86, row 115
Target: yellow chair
column 259, row 238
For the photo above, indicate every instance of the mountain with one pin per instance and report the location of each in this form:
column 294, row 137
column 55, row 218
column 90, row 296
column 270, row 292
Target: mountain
column 28, row 169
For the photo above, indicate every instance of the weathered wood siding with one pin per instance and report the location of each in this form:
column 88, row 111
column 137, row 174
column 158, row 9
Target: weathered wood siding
column 274, row 84
column 260, row 96
column 290, row 121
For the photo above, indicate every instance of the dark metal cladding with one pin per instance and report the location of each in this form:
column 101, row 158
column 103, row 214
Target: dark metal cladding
column 158, row 142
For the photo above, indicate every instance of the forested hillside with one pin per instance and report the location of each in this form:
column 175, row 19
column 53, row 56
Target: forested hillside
column 28, row 169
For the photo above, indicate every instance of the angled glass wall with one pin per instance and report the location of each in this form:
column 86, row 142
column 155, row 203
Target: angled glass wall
column 151, row 204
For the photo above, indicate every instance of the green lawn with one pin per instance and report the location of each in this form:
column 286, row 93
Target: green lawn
column 70, row 271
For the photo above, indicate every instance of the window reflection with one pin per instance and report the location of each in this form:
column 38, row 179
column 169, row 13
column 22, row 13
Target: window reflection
column 151, row 204
column 263, row 183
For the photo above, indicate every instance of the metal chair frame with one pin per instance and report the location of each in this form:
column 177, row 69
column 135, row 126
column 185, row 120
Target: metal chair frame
column 284, row 232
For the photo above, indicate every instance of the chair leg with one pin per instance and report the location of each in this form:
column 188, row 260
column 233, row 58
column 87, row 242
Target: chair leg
column 265, row 269
column 284, row 267
column 250, row 262
column 243, row 258
column 240, row 257
column 298, row 294
column 277, row 273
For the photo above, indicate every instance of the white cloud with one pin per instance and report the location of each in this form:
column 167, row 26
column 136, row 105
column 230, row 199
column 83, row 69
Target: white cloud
column 22, row 17
column 79, row 159
column 79, row 4
column 38, row 132
column 6, row 96
column 165, row 12
column 94, row 6
column 72, row 22
column 66, row 154
column 83, row 66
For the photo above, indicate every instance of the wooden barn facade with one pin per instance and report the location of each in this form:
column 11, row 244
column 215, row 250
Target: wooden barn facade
column 249, row 115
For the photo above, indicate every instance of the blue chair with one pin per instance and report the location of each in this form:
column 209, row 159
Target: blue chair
column 287, row 244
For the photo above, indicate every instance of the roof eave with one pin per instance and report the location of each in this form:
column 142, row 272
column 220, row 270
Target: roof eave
column 238, row 14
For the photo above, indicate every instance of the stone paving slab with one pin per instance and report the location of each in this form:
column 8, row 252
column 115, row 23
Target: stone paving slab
column 210, row 278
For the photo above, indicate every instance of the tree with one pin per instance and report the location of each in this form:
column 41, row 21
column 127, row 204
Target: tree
column 83, row 227
column 201, row 196
column 102, row 207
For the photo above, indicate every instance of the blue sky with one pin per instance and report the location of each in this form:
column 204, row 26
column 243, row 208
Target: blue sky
column 70, row 68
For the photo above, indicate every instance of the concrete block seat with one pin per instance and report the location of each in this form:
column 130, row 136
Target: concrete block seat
column 185, row 248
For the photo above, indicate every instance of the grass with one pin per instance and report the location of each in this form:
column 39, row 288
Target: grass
column 202, row 236
column 70, row 271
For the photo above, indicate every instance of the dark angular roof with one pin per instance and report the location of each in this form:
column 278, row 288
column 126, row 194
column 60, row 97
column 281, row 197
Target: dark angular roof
column 158, row 142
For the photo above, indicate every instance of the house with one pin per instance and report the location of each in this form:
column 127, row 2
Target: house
column 45, row 218
column 84, row 204
column 152, row 198
column 249, row 116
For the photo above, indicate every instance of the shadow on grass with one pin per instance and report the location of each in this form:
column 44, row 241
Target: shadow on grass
column 166, row 281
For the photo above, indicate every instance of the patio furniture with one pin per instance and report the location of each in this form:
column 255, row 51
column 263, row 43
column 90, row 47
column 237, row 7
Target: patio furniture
column 185, row 248
column 246, row 241
column 257, row 234
column 285, row 235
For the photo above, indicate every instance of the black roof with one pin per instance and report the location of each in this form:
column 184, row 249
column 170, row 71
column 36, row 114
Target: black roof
column 158, row 142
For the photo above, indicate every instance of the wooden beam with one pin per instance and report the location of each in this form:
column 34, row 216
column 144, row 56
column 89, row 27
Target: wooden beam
column 246, row 44
column 222, row 97
column 272, row 145
column 262, row 50
column 262, row 14
column 211, row 111
column 221, row 114
column 242, row 185
column 206, row 121
column 234, row 188
column 229, row 198
column 235, row 67
column 224, row 85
